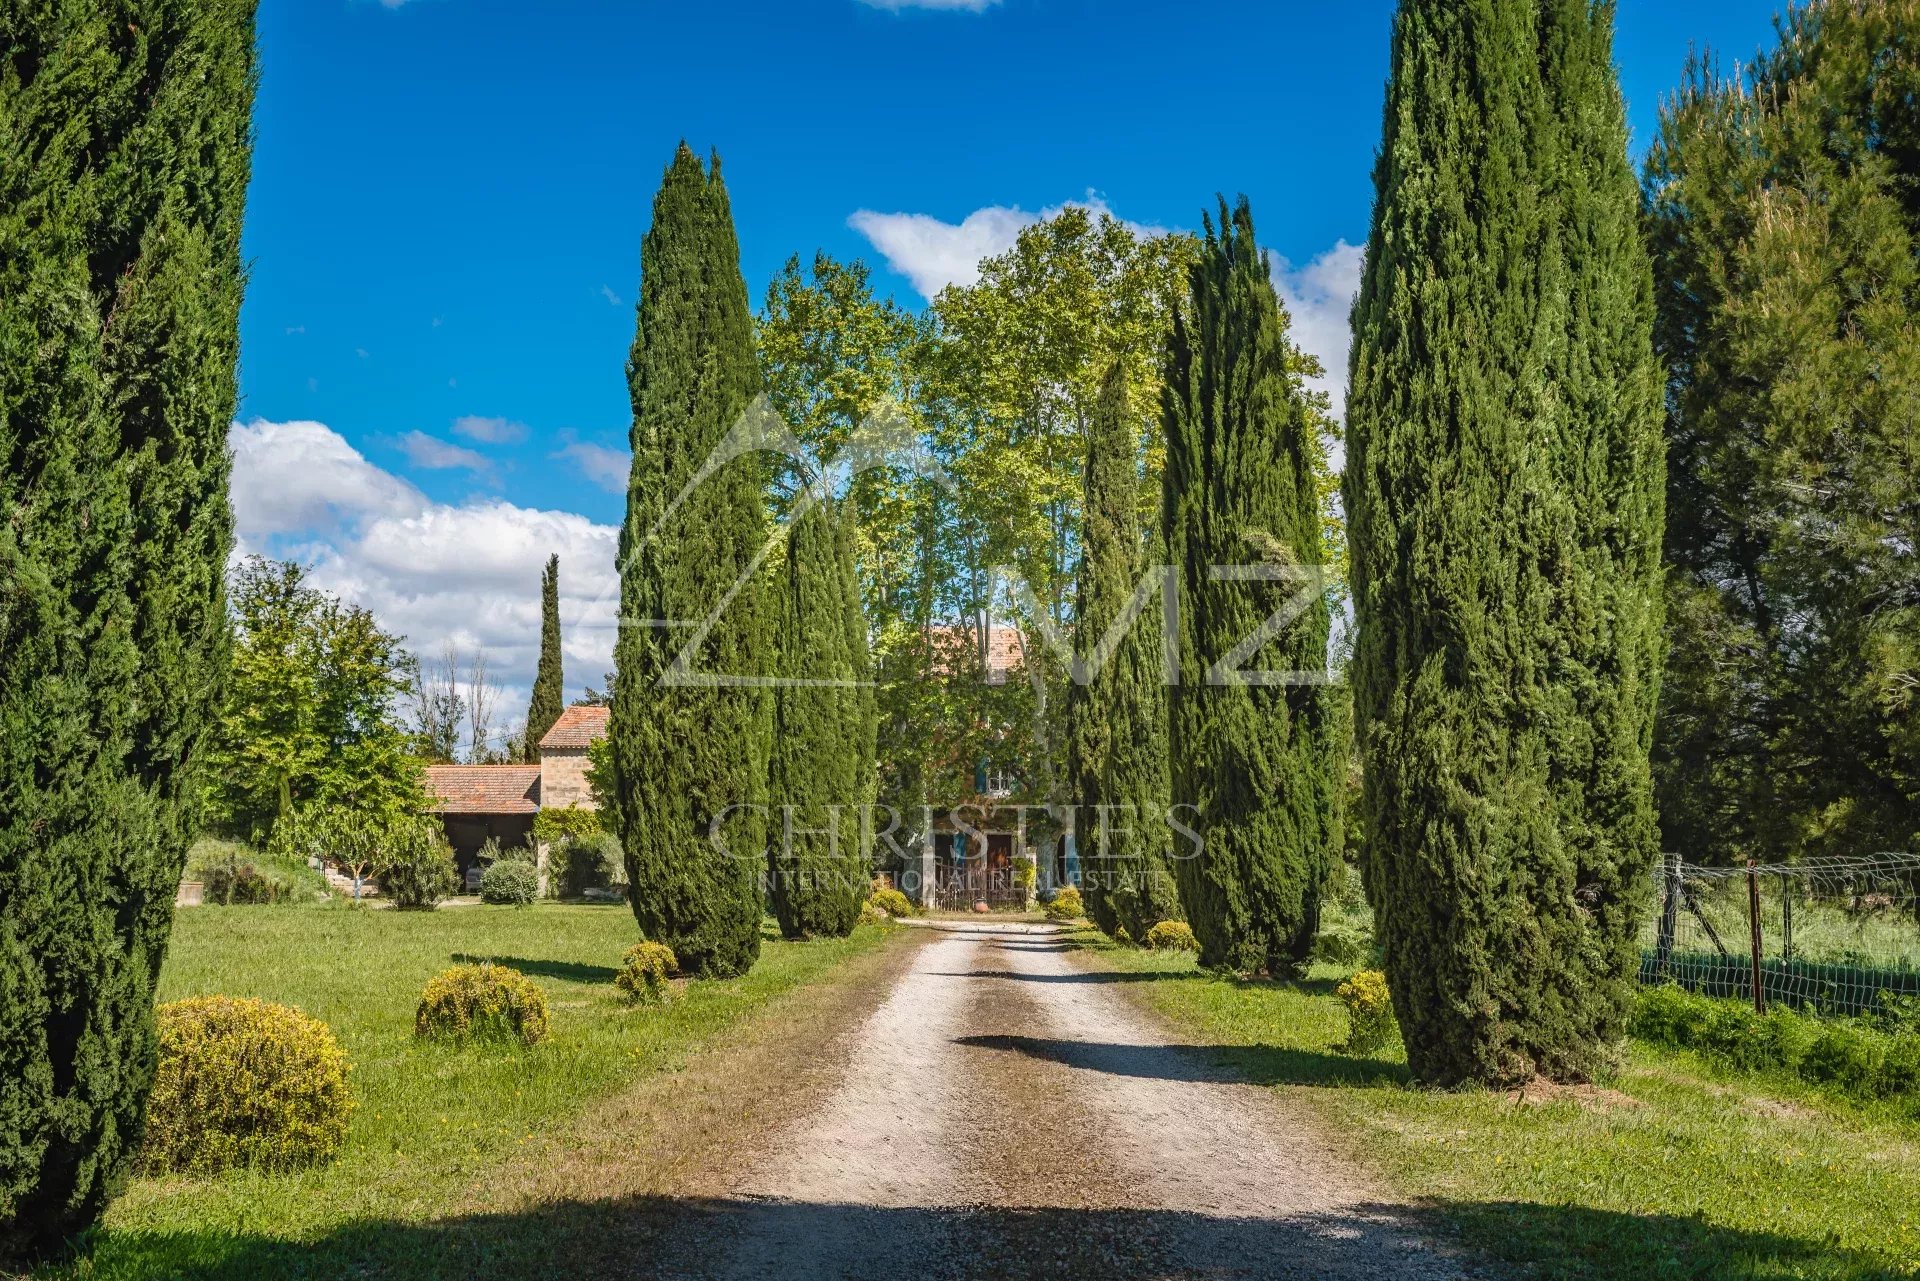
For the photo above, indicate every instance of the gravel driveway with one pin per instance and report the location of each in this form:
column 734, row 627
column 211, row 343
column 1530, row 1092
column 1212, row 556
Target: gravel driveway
column 1006, row 1112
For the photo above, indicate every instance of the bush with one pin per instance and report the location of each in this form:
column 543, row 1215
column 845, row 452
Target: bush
column 1894, row 1013
column 1370, row 1022
column 871, row 915
column 592, row 861
column 1844, row 1056
column 644, row 972
column 510, row 882
column 1900, row 1067
column 1065, row 905
column 244, row 1083
column 1343, row 946
column 482, row 1002
column 1121, row 936
column 891, row 901
column 1669, row 1015
column 1172, row 936
column 237, row 880
column 416, row 868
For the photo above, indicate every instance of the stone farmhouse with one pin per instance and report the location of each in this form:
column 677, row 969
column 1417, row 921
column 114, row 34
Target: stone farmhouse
column 477, row 803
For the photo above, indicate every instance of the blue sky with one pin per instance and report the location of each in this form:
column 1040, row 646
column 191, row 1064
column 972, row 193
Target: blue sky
column 449, row 196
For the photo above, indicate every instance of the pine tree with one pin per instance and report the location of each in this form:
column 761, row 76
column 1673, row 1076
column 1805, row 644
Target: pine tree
column 1503, row 492
column 549, row 684
column 1257, row 759
column 688, row 744
column 124, row 159
column 1116, row 718
column 823, row 741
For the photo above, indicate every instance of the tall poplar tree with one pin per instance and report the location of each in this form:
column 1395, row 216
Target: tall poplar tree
column 549, row 683
column 1255, row 755
column 124, row 159
column 1503, row 490
column 1116, row 717
column 823, row 745
column 688, row 743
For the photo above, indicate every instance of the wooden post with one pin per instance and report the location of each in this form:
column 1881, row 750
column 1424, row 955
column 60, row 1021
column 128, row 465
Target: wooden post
column 1786, row 915
column 1669, row 917
column 1753, row 921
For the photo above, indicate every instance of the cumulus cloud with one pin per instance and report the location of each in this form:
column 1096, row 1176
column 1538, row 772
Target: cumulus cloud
column 1318, row 296
column 435, row 454
column 934, row 254
column 490, row 431
column 466, row 573
column 613, row 299
column 606, row 467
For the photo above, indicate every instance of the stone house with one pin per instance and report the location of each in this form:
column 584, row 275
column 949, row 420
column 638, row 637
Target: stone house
column 499, row 802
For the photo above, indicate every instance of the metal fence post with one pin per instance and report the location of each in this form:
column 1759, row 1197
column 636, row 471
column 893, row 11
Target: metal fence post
column 1669, row 917
column 1753, row 922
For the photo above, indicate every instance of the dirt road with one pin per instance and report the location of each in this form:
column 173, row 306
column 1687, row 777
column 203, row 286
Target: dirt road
column 1006, row 1112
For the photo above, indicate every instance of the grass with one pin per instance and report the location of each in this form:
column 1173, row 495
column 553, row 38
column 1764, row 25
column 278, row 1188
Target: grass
column 432, row 1119
column 1678, row 1170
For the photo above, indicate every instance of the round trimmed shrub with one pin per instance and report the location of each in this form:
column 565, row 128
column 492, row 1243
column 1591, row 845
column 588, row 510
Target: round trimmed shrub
column 1370, row 1022
column 238, row 880
column 871, row 915
column 1065, row 905
column 891, row 901
column 482, row 1002
column 244, row 1083
column 510, row 882
column 1172, row 936
column 644, row 972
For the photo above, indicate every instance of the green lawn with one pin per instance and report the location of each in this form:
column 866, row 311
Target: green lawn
column 431, row 1118
column 1687, row 1172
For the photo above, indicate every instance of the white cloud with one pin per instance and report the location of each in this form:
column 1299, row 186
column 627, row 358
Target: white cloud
column 434, row 572
column 435, row 454
column 934, row 254
column 895, row 6
column 1319, row 296
column 490, row 431
column 606, row 467
column 613, row 299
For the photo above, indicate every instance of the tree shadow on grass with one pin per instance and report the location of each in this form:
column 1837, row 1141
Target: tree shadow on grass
column 565, row 971
column 742, row 1239
column 1211, row 1064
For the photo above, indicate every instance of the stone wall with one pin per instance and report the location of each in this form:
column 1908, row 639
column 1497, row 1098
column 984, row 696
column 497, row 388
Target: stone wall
column 563, row 779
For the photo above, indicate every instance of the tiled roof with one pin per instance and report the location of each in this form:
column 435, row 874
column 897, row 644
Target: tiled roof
column 484, row 789
column 1006, row 649
column 577, row 727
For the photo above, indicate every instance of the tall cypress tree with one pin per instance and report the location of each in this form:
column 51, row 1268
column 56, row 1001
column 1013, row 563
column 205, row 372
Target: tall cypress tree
column 124, row 159
column 823, row 742
column 1116, row 719
column 688, row 743
column 549, row 683
column 1256, row 757
column 1503, row 489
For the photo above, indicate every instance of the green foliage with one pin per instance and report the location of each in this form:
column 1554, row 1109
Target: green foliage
column 1116, row 717
column 589, row 862
column 244, row 1084
column 1787, row 249
column 1503, row 493
column 482, row 1002
column 689, row 761
column 233, row 879
column 892, row 902
column 644, row 972
column 1066, row 905
column 555, row 823
column 311, row 715
column 549, row 683
column 823, row 774
column 1172, row 936
column 415, row 864
column 1259, row 762
column 1370, row 1022
column 510, row 883
column 124, row 159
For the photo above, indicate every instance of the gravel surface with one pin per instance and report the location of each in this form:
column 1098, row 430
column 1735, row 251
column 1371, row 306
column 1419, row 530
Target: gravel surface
column 1004, row 1113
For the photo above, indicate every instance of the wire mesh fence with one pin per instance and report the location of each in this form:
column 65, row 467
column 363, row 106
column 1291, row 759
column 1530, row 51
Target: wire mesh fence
column 1827, row 935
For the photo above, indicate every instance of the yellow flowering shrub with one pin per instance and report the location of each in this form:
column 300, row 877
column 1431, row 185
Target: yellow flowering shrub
column 1370, row 1022
column 244, row 1083
column 891, row 901
column 1172, row 936
column 479, row 1002
column 1065, row 905
column 644, row 972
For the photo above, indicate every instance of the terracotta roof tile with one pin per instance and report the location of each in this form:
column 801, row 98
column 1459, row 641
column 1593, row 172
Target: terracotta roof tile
column 577, row 727
column 484, row 789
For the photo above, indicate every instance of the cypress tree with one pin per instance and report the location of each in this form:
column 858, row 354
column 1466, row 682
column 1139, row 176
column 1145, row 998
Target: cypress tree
column 1503, row 492
column 823, row 742
column 124, row 159
column 688, row 743
column 1116, row 720
column 1256, row 759
column 549, row 684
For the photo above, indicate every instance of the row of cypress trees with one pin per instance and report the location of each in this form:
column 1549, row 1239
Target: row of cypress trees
column 724, row 785
column 124, row 160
